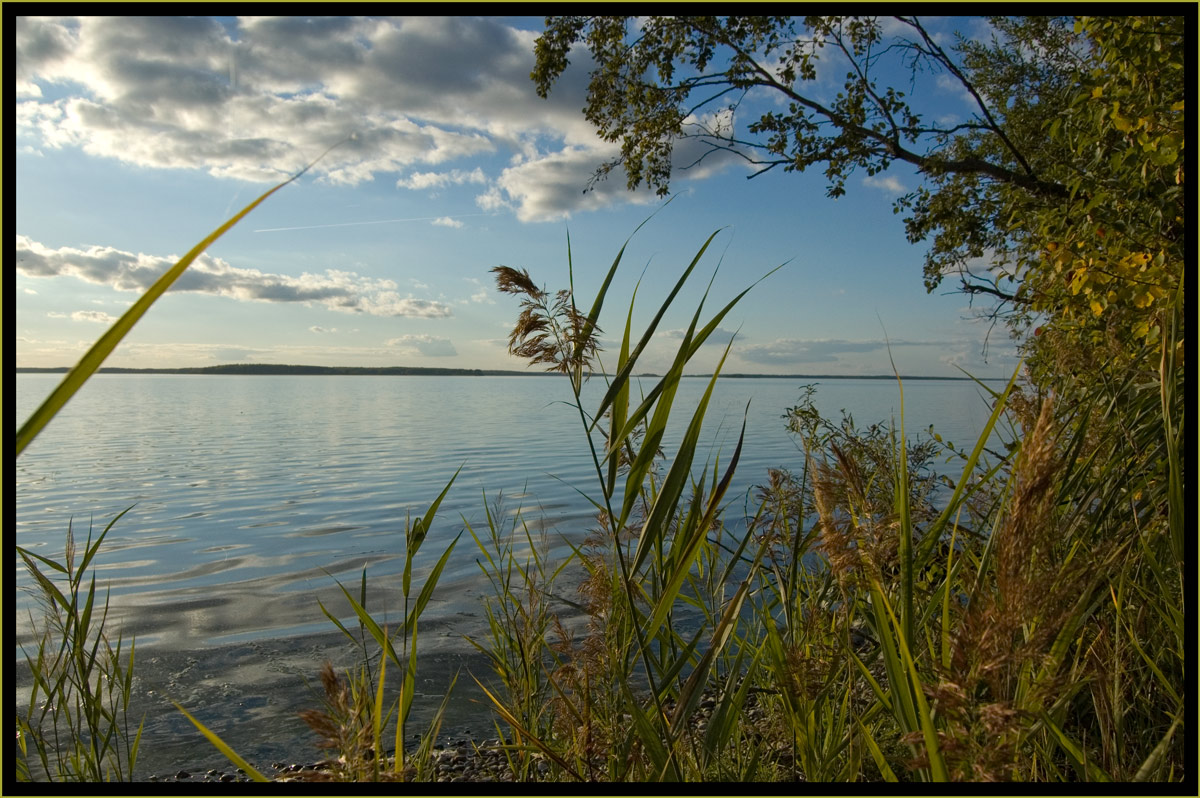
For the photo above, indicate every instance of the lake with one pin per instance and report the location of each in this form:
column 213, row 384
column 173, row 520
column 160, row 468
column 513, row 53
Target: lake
column 251, row 495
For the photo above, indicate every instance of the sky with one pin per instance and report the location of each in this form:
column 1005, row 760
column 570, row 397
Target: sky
column 136, row 137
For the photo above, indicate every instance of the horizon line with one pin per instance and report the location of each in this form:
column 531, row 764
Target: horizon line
column 314, row 370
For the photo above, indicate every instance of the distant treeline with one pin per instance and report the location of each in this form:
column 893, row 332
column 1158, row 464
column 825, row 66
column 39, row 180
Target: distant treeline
column 413, row 371
column 273, row 368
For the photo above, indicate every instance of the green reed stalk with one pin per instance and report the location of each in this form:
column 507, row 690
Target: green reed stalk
column 77, row 721
column 672, row 527
column 99, row 351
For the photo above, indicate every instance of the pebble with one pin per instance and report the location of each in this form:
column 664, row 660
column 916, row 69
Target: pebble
column 458, row 760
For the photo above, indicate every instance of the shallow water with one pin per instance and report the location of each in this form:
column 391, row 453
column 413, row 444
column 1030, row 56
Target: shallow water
column 251, row 495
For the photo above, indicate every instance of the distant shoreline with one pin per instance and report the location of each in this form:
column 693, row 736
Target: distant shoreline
column 258, row 369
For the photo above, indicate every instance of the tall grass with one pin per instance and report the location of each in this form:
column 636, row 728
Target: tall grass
column 1023, row 622
column 859, row 621
column 76, row 726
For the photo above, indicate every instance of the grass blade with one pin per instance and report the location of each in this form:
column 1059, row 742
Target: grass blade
column 100, row 350
column 220, row 745
column 511, row 720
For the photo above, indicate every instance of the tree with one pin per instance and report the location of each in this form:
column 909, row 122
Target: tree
column 1066, row 183
column 1062, row 198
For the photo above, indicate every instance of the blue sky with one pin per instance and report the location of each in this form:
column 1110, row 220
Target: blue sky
column 136, row 137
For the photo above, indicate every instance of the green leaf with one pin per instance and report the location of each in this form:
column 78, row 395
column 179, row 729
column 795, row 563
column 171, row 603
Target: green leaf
column 430, row 583
column 100, row 350
column 220, row 745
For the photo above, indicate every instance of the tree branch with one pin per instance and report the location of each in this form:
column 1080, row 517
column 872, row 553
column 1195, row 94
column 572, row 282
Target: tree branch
column 927, row 164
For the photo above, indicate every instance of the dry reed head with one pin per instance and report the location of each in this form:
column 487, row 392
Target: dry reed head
column 344, row 726
column 994, row 685
column 859, row 533
column 549, row 329
column 512, row 281
column 331, row 725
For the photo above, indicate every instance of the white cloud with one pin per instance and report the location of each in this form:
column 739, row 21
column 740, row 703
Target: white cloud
column 553, row 187
column 426, row 180
column 125, row 271
column 94, row 316
column 424, row 345
column 320, row 330
column 261, row 98
column 717, row 336
column 481, row 295
column 446, row 221
column 888, row 183
column 953, row 87
column 795, row 351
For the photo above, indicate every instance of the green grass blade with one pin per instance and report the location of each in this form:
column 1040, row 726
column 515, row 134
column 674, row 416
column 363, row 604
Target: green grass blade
column 220, row 745
column 884, row 768
column 937, row 763
column 430, row 583
column 421, row 528
column 370, row 625
column 620, row 401
column 1160, row 750
column 511, row 720
column 410, row 680
column 100, row 350
column 47, row 587
column 650, row 737
column 676, row 480
column 426, row 748
column 1084, row 766
column 624, row 373
column 57, row 566
column 689, row 696
column 377, row 718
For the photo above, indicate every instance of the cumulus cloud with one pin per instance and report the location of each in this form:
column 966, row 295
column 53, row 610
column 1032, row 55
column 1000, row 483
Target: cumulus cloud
column 256, row 98
column 551, row 188
column 126, row 271
column 446, row 221
column 321, row 330
column 424, row 345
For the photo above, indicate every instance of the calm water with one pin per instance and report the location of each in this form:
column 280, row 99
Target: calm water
column 251, row 495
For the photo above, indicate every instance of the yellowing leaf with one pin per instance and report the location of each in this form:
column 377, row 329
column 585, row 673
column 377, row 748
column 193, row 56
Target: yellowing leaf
column 1096, row 307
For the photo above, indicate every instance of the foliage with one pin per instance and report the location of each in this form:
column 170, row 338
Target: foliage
column 1066, row 183
column 1025, row 621
column 89, row 736
column 77, row 725
column 642, row 566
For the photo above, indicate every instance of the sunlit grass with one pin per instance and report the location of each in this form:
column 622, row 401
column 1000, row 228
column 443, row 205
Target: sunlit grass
column 1025, row 623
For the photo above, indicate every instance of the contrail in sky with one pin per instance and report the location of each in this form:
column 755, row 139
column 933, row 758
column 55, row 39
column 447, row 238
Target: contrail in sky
column 380, row 221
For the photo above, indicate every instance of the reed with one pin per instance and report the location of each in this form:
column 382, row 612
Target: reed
column 862, row 619
column 76, row 726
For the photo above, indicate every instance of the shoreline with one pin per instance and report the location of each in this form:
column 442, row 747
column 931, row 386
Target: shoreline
column 270, row 369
